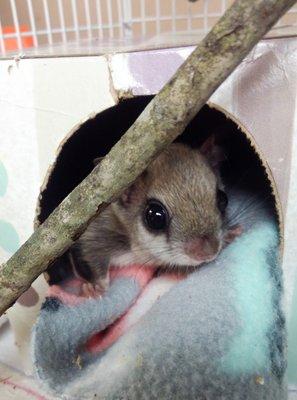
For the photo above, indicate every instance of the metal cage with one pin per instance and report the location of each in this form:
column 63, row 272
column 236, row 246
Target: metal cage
column 33, row 23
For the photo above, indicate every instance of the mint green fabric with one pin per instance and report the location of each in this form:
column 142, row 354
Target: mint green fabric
column 254, row 291
column 292, row 341
column 9, row 238
column 3, row 179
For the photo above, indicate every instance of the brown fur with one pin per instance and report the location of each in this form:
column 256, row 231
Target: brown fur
column 183, row 180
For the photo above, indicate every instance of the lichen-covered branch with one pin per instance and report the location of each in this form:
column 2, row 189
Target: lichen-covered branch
column 160, row 123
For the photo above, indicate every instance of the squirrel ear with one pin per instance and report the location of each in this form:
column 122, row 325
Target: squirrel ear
column 135, row 193
column 97, row 161
column 212, row 151
column 128, row 196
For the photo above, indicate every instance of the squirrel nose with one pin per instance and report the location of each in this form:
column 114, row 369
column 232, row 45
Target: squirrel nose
column 202, row 248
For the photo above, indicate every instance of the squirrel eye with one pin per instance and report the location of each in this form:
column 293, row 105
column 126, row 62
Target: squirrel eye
column 222, row 201
column 156, row 216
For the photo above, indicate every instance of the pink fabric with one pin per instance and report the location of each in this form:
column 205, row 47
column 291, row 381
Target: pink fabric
column 28, row 391
column 141, row 274
column 70, row 295
column 103, row 340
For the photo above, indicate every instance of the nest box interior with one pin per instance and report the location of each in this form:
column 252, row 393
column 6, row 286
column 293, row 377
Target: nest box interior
column 96, row 136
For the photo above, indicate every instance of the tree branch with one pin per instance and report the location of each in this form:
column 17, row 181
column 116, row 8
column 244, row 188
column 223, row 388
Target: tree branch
column 160, row 123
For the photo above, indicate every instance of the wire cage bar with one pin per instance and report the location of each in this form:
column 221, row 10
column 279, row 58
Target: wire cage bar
column 34, row 23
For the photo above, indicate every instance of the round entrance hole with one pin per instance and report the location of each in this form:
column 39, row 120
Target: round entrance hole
column 94, row 138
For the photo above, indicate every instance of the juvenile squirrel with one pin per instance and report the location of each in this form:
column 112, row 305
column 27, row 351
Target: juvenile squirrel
column 172, row 217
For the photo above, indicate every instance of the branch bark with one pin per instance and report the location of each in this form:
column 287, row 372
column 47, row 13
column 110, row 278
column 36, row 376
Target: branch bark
column 160, row 123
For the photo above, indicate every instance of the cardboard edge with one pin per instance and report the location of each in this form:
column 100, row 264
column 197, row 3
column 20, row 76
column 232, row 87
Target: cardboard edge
column 51, row 167
column 213, row 105
column 257, row 149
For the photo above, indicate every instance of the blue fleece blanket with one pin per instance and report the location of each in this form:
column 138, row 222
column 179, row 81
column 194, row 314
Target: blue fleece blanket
column 218, row 334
